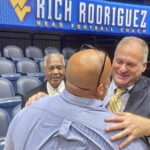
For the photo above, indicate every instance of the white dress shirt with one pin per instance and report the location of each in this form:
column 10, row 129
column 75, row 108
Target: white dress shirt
column 110, row 93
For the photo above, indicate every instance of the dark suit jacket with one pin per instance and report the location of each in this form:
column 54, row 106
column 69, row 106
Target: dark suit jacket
column 139, row 101
column 41, row 88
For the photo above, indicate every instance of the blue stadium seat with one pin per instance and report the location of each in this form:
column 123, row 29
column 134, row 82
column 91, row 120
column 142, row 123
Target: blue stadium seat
column 7, row 67
column 26, row 83
column 6, row 89
column 51, row 49
column 8, row 71
column 13, row 51
column 34, row 53
column 8, row 99
column 68, row 52
column 30, row 68
column 2, row 144
column 4, row 124
column 27, row 66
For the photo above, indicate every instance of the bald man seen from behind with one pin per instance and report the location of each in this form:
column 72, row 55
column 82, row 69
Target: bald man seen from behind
column 73, row 120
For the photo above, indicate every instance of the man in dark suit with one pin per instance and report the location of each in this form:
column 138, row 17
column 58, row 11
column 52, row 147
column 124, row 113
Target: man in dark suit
column 130, row 61
column 54, row 70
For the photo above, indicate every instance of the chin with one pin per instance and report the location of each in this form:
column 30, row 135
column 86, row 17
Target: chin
column 55, row 85
column 121, row 83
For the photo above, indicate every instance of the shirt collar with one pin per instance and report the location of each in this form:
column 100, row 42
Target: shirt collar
column 55, row 91
column 84, row 102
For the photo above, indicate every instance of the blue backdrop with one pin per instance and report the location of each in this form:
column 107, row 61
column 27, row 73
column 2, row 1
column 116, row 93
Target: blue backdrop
column 80, row 16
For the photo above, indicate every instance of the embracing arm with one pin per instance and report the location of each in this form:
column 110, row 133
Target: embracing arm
column 133, row 126
column 35, row 97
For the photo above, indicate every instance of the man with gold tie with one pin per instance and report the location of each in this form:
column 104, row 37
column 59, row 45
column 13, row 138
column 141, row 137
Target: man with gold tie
column 130, row 61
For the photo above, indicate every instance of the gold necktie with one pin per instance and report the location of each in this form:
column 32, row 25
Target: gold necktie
column 115, row 103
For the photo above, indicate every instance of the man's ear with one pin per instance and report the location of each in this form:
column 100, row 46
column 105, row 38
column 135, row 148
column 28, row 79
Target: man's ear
column 100, row 91
column 144, row 66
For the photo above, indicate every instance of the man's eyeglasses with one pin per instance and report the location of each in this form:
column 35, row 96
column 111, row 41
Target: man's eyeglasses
column 88, row 46
column 102, row 69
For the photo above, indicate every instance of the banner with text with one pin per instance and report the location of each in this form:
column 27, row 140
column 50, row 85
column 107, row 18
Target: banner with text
column 80, row 16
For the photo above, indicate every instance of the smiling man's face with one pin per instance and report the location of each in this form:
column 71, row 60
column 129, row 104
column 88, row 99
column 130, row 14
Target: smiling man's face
column 54, row 70
column 128, row 65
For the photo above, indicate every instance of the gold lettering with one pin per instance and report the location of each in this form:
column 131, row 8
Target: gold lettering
column 45, row 23
column 53, row 24
column 144, row 31
column 95, row 28
column 90, row 27
column 78, row 26
column 38, row 23
column 127, row 30
column 72, row 26
column 121, row 30
column 60, row 25
column 132, row 30
column 138, row 31
column 106, row 29
column 101, row 29
column 111, row 29
column 84, row 27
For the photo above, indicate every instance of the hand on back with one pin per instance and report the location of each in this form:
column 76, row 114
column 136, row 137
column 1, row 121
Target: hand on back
column 35, row 97
column 133, row 127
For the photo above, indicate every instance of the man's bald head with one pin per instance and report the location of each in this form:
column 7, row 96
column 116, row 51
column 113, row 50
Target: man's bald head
column 84, row 68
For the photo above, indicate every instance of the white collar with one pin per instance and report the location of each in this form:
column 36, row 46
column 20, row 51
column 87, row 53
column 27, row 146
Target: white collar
column 55, row 91
column 113, row 84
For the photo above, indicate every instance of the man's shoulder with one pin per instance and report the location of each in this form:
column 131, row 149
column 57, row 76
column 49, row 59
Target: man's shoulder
column 143, row 82
column 144, row 78
column 46, row 101
column 40, row 88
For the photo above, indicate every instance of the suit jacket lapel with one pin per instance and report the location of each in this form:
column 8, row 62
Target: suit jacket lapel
column 137, row 95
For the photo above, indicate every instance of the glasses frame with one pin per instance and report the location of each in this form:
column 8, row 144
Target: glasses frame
column 102, row 70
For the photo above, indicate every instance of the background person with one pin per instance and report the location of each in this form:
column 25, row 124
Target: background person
column 54, row 70
column 73, row 119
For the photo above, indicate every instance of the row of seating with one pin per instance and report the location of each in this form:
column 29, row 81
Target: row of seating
column 5, row 122
column 8, row 98
column 10, row 103
column 22, row 66
column 5, row 119
column 25, row 67
column 12, row 51
column 23, row 85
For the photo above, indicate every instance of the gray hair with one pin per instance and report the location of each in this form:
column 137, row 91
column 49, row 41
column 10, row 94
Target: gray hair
column 54, row 54
column 144, row 45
